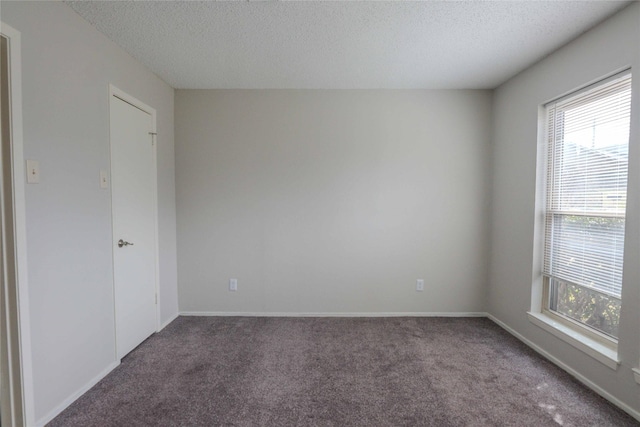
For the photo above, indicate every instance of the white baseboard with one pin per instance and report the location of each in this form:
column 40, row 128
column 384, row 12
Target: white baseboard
column 584, row 380
column 169, row 320
column 69, row 400
column 331, row 314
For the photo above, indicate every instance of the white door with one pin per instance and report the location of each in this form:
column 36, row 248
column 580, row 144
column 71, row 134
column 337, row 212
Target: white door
column 134, row 222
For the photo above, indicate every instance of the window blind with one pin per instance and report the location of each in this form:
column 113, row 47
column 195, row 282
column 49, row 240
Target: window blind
column 588, row 156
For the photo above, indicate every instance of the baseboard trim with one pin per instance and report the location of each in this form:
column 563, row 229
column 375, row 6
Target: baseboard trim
column 331, row 314
column 69, row 400
column 169, row 320
column 584, row 380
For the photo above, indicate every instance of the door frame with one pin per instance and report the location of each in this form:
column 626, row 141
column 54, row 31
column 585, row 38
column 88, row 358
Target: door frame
column 123, row 96
column 24, row 351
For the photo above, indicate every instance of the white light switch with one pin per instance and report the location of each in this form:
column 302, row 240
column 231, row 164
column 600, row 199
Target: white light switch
column 233, row 284
column 33, row 172
column 104, row 180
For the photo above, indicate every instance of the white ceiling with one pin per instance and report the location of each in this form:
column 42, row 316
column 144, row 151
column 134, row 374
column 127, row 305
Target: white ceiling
column 341, row 45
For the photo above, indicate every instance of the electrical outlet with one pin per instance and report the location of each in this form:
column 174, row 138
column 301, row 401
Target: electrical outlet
column 233, row 285
column 420, row 285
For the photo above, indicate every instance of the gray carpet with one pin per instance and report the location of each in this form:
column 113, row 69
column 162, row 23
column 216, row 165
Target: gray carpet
column 235, row 371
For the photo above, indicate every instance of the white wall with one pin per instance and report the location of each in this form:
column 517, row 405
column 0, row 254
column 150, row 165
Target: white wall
column 611, row 46
column 67, row 66
column 332, row 201
column 317, row 201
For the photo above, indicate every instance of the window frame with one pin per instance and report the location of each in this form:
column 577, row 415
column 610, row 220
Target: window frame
column 601, row 346
column 592, row 333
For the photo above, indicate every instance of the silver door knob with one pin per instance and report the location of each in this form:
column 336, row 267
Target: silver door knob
column 122, row 243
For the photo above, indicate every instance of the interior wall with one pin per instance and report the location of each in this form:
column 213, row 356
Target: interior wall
column 66, row 69
column 326, row 201
column 613, row 45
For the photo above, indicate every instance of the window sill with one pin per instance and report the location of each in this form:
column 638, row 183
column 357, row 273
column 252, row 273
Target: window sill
column 636, row 373
column 593, row 348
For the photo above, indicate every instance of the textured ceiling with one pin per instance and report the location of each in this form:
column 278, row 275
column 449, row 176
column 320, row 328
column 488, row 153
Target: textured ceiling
column 337, row 45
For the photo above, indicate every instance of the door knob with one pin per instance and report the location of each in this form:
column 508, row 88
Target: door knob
column 122, row 243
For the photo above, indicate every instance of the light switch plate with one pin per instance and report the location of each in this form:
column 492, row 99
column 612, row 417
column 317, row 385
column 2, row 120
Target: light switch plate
column 104, row 179
column 33, row 172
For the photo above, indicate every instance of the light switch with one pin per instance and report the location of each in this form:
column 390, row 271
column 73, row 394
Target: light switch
column 104, row 180
column 33, row 172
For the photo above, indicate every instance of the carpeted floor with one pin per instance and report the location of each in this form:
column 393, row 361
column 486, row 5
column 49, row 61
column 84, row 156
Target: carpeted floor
column 235, row 371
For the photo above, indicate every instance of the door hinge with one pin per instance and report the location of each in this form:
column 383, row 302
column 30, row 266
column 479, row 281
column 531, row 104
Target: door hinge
column 156, row 299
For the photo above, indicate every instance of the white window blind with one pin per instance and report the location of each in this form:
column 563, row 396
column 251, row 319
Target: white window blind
column 588, row 137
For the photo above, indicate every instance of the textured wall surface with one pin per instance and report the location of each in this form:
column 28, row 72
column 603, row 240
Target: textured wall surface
column 609, row 47
column 332, row 201
column 66, row 70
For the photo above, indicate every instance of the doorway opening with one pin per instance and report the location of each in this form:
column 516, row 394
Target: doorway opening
column 16, row 403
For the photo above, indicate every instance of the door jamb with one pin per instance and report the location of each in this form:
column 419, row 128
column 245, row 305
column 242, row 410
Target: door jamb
column 123, row 96
column 20, row 229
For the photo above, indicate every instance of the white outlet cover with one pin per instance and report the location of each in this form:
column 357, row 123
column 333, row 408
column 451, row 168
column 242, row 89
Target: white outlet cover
column 233, row 285
column 420, row 285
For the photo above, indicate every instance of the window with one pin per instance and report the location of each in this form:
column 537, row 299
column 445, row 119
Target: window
column 584, row 214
